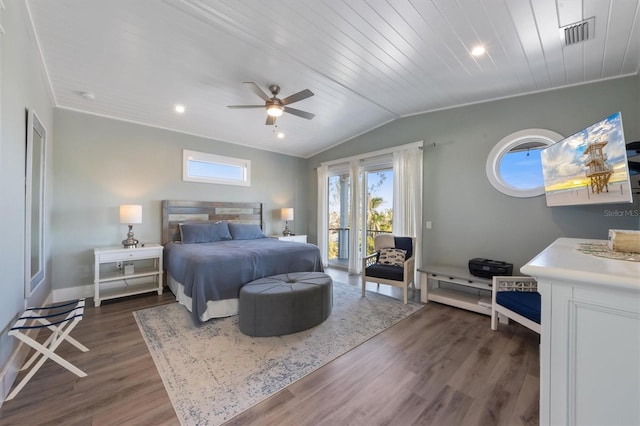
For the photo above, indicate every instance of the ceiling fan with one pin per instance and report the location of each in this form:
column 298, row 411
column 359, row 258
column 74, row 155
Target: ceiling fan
column 275, row 106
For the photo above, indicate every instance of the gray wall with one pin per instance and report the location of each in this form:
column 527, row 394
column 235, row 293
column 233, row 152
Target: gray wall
column 22, row 86
column 101, row 163
column 472, row 219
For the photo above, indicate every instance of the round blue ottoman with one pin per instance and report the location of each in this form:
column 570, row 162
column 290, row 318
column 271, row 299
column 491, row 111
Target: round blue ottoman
column 285, row 304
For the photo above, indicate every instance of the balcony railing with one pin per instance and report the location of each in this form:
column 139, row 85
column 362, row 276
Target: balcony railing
column 339, row 243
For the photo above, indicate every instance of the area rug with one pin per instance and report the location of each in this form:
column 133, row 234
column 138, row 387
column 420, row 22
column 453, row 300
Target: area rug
column 213, row 372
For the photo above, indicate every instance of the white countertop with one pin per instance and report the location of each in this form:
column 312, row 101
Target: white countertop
column 562, row 261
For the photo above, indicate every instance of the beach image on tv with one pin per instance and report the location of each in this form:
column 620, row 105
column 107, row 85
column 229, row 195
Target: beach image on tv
column 589, row 167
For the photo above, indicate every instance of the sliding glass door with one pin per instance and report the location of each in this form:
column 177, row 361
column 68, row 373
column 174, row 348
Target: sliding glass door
column 362, row 196
column 378, row 205
column 377, row 216
column 339, row 192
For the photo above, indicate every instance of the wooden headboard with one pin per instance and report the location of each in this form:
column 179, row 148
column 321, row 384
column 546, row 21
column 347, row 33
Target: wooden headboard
column 176, row 212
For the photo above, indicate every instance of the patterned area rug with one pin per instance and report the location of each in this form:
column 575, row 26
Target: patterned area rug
column 214, row 372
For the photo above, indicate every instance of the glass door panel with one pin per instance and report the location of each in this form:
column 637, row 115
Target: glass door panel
column 379, row 205
column 339, row 189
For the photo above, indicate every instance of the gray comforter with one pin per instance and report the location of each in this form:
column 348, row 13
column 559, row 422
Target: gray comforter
column 217, row 271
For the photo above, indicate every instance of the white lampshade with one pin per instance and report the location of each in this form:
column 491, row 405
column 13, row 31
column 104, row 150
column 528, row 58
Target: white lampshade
column 130, row 213
column 287, row 213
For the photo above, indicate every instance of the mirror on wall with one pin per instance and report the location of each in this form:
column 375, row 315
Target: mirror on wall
column 34, row 203
column 514, row 167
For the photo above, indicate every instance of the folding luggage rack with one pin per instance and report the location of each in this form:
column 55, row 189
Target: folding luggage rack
column 60, row 320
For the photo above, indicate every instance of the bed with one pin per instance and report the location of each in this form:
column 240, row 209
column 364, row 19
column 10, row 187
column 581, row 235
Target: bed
column 223, row 249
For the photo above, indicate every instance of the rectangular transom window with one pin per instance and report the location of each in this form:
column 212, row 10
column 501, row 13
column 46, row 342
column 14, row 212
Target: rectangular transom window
column 211, row 168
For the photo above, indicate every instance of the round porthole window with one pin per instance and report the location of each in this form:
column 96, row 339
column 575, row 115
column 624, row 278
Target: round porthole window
column 513, row 166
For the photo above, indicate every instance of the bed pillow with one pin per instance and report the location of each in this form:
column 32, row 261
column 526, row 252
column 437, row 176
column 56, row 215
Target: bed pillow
column 220, row 231
column 204, row 232
column 392, row 256
column 245, row 231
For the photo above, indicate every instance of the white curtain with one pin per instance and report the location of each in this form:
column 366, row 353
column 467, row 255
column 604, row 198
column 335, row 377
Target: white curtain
column 407, row 196
column 323, row 208
column 355, row 263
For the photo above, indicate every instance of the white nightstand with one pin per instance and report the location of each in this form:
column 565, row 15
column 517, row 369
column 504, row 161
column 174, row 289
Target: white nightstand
column 294, row 238
column 112, row 277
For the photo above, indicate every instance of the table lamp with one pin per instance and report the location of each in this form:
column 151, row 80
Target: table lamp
column 130, row 214
column 287, row 215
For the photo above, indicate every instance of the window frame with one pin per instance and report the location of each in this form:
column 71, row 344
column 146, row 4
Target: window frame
column 204, row 157
column 514, row 140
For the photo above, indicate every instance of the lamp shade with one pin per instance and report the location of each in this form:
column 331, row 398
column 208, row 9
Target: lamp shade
column 287, row 213
column 130, row 213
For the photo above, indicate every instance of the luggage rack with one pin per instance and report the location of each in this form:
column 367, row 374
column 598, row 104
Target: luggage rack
column 60, row 319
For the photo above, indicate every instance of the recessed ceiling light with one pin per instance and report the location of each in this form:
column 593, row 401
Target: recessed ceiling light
column 180, row 109
column 280, row 135
column 478, row 50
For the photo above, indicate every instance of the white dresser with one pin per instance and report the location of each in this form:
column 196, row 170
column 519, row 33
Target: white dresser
column 590, row 338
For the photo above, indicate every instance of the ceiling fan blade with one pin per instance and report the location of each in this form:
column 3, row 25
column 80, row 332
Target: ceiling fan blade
column 244, row 106
column 303, row 114
column 270, row 120
column 303, row 94
column 257, row 90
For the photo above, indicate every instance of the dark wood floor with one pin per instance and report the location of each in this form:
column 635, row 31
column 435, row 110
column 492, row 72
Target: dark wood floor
column 440, row 366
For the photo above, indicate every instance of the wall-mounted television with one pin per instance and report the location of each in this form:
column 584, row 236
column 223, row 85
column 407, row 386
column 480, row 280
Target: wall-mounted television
column 588, row 167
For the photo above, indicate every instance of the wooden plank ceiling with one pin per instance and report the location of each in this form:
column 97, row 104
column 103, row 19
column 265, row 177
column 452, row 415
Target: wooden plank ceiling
column 367, row 61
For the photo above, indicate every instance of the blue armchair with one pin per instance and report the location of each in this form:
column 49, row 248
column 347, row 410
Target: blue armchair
column 392, row 263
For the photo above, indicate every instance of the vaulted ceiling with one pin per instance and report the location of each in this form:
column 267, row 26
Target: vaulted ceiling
column 367, row 61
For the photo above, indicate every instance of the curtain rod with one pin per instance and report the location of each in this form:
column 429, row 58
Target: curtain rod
column 366, row 155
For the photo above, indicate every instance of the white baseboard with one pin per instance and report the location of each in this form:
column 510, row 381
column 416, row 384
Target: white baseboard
column 71, row 293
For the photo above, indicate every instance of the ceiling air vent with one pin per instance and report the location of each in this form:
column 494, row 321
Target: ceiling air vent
column 578, row 32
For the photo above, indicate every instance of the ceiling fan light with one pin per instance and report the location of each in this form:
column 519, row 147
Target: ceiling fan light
column 275, row 110
column 478, row 50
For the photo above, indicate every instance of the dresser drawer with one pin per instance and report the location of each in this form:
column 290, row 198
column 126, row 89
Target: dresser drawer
column 133, row 255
